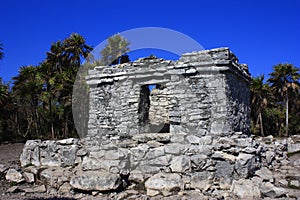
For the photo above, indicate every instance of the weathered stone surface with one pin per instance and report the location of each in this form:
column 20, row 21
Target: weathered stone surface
column 14, row 176
column 31, row 153
column 12, row 189
column 37, row 189
column 201, row 180
column 181, row 164
column 65, row 188
column 269, row 190
column 293, row 148
column 68, row 141
column 245, row 165
column 265, row 174
column 166, row 183
column 55, row 176
column 95, row 180
column 224, row 173
column 29, row 177
column 3, row 168
column 245, row 189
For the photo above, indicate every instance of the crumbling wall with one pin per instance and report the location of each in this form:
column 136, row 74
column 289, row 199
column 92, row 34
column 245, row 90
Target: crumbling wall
column 203, row 93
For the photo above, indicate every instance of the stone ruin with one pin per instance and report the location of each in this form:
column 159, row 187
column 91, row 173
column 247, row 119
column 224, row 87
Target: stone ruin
column 163, row 127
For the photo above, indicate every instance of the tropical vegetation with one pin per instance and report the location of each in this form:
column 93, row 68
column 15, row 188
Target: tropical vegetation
column 38, row 104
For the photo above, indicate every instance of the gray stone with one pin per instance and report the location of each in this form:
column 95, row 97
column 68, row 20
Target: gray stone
column 295, row 183
column 198, row 162
column 3, row 168
column 270, row 156
column 192, row 139
column 202, row 180
column 245, row 165
column 37, row 189
column 265, row 174
column 68, row 141
column 166, row 183
column 293, row 148
column 95, row 180
column 68, row 155
column 65, row 188
column 245, row 189
column 269, row 190
column 31, row 153
column 224, row 173
column 29, row 177
column 181, row 164
column 55, row 176
column 14, row 176
column 12, row 189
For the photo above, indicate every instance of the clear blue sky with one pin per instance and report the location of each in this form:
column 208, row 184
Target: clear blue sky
column 261, row 33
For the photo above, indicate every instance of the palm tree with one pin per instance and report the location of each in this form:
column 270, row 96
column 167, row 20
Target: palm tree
column 116, row 46
column 27, row 89
column 76, row 48
column 3, row 91
column 284, row 82
column 259, row 99
column 1, row 51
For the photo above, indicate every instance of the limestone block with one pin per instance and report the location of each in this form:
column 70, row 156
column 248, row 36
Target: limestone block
column 29, row 177
column 201, row 180
column 14, row 176
column 166, row 183
column 181, row 164
column 245, row 189
column 95, row 180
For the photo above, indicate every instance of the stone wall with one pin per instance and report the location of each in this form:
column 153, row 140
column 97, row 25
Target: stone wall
column 205, row 93
column 165, row 164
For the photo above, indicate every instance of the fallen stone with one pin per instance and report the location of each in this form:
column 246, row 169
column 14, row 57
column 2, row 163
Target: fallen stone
column 12, row 189
column 55, row 176
column 14, row 176
column 293, row 148
column 93, row 180
column 265, row 174
column 29, row 177
column 65, row 188
column 38, row 189
column 294, row 183
column 68, row 141
column 166, row 183
column 245, row 189
column 267, row 189
column 3, row 168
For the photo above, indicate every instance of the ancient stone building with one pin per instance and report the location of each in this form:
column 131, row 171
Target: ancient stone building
column 203, row 93
column 160, row 127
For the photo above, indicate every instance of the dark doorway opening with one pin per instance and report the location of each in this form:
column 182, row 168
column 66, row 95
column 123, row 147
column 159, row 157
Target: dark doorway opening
column 144, row 108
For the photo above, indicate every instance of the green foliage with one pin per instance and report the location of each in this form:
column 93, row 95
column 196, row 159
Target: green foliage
column 275, row 105
column 114, row 49
column 39, row 104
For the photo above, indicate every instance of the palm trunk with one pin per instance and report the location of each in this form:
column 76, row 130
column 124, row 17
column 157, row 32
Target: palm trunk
column 287, row 117
column 261, row 125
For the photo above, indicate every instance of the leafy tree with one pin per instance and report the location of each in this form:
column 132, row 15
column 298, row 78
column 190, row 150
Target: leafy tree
column 284, row 82
column 26, row 93
column 114, row 49
column 260, row 94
